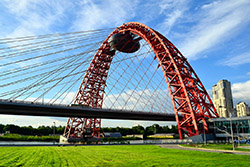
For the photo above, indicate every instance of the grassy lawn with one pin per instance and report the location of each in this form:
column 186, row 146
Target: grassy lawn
column 218, row 146
column 115, row 156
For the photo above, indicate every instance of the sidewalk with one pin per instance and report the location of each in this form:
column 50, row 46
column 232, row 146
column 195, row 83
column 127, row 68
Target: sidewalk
column 176, row 146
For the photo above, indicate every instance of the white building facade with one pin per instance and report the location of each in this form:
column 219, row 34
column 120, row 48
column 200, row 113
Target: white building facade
column 222, row 98
column 242, row 109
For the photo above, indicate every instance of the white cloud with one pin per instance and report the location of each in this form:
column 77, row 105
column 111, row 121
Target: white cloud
column 237, row 60
column 107, row 13
column 241, row 92
column 35, row 17
column 65, row 99
column 147, row 100
column 33, row 121
column 217, row 22
column 248, row 73
column 173, row 11
column 214, row 3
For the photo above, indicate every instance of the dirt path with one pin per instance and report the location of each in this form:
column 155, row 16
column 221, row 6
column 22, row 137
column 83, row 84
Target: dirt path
column 176, row 146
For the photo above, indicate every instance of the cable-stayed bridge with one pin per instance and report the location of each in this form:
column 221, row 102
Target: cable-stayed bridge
column 124, row 70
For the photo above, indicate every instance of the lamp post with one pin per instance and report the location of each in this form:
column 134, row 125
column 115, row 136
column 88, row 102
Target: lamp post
column 155, row 132
column 54, row 131
column 232, row 133
column 243, row 131
column 226, row 132
column 238, row 134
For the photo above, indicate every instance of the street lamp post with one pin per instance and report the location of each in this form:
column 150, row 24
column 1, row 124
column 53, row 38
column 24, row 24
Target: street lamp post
column 232, row 133
column 54, row 131
column 155, row 132
column 228, row 133
column 242, row 128
column 238, row 134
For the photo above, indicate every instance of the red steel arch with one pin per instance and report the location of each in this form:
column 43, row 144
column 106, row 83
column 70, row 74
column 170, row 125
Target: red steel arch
column 191, row 102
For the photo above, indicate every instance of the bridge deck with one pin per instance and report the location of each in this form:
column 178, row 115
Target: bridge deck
column 18, row 108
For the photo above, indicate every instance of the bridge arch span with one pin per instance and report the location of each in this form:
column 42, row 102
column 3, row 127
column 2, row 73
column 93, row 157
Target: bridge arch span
column 191, row 102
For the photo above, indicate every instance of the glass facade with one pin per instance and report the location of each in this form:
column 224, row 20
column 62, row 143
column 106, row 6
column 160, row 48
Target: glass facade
column 240, row 126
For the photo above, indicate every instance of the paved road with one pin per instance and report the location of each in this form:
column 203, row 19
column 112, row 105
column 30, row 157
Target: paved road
column 176, row 146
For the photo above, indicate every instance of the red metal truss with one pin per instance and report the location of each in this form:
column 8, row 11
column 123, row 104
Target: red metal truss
column 91, row 94
column 191, row 102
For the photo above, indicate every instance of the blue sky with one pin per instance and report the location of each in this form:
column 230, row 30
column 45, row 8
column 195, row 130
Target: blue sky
column 214, row 35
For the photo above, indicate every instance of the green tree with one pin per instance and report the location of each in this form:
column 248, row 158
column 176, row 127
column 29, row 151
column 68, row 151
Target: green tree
column 45, row 130
column 60, row 129
column 12, row 128
column 1, row 128
column 138, row 129
column 165, row 129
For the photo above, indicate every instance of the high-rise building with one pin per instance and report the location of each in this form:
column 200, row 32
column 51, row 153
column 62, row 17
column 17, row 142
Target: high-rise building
column 222, row 98
column 242, row 109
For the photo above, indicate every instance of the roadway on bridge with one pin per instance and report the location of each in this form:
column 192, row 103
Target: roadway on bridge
column 33, row 109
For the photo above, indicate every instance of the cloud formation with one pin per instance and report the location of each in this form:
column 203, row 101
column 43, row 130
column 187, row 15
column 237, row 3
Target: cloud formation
column 108, row 13
column 241, row 92
column 173, row 11
column 33, row 121
column 243, row 58
column 216, row 22
column 32, row 17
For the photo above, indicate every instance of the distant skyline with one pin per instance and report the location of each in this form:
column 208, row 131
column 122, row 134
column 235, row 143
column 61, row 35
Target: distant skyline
column 214, row 35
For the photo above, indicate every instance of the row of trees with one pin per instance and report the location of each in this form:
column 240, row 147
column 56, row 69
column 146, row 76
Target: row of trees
column 141, row 130
column 47, row 130
column 29, row 130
